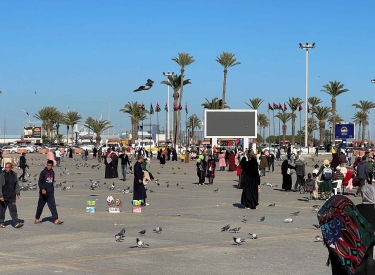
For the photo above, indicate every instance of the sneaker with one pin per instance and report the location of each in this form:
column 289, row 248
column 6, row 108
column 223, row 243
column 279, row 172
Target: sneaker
column 147, row 204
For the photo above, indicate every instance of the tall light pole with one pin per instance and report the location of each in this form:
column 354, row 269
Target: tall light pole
column 306, row 47
column 372, row 81
column 168, row 115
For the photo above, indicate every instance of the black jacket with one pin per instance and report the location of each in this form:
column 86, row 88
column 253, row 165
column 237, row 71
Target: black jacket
column 9, row 188
column 23, row 162
column 124, row 159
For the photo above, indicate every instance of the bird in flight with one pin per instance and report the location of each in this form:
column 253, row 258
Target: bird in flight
column 145, row 87
column 35, row 92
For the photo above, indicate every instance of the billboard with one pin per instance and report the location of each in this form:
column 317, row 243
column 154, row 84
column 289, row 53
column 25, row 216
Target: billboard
column 344, row 130
column 32, row 132
column 230, row 123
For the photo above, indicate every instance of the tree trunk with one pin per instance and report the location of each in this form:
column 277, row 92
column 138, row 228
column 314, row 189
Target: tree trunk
column 321, row 131
column 224, row 89
column 363, row 129
column 72, row 132
column 359, row 131
column 98, row 139
column 284, row 133
column 293, row 128
column 177, row 127
column 333, row 100
column 175, row 120
column 67, row 134
column 310, row 138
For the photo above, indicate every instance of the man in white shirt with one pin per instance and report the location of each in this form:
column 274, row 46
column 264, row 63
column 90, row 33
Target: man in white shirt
column 57, row 156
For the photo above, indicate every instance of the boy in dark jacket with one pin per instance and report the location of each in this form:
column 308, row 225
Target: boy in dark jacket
column 47, row 193
column 9, row 192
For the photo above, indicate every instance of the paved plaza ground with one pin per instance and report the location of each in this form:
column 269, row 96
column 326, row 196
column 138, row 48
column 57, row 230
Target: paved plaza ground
column 191, row 218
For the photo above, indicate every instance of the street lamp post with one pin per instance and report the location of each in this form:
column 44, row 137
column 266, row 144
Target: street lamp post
column 306, row 47
column 372, row 81
column 168, row 116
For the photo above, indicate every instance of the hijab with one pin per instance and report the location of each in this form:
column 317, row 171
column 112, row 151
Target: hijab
column 109, row 157
column 368, row 194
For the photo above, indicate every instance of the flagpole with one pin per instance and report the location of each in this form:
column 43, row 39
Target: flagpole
column 300, row 127
column 157, row 121
column 273, row 122
column 186, row 128
column 269, row 129
column 279, row 128
column 150, row 130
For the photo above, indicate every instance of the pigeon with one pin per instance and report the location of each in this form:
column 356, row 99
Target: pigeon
column 238, row 241
column 112, row 187
column 317, row 226
column 288, row 220
column 235, row 230
column 178, row 168
column 215, row 191
column 316, row 206
column 294, row 213
column 272, row 205
column 174, row 173
column 225, row 228
column 262, row 219
column 269, row 184
column 141, row 244
column 167, row 184
column 142, row 233
column 244, row 219
column 158, row 230
column 318, row 239
column 158, row 173
column 172, row 168
column 253, row 236
column 276, row 185
column 145, row 87
column 121, row 235
column 177, row 184
column 152, row 191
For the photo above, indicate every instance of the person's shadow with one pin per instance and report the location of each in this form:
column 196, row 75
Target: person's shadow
column 47, row 219
column 238, row 205
column 10, row 222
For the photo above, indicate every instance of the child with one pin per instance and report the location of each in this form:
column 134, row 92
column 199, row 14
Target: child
column 309, row 187
column 316, row 187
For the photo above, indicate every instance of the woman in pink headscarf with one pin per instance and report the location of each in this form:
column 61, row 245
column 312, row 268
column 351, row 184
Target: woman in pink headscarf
column 51, row 156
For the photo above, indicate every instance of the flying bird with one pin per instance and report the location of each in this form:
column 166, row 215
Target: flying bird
column 35, row 92
column 146, row 87
column 238, row 241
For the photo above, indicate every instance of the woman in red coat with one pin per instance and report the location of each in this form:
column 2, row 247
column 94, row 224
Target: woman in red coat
column 232, row 162
column 210, row 169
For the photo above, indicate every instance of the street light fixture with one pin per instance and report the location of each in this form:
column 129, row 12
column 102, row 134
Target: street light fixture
column 372, row 80
column 306, row 47
column 168, row 116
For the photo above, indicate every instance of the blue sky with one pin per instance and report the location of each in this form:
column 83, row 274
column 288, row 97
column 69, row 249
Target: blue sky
column 89, row 54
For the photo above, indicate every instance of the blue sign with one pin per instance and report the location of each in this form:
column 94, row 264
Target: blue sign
column 344, row 130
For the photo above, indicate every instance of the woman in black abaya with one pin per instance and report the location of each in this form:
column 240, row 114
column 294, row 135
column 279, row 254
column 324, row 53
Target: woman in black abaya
column 287, row 178
column 250, row 181
column 108, row 166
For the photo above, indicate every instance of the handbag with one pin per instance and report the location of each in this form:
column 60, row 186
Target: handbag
column 288, row 171
column 146, row 178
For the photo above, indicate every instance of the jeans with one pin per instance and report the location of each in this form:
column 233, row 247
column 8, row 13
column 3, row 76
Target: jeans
column 23, row 175
column 361, row 184
column 48, row 198
column 11, row 204
column 271, row 164
column 222, row 168
column 263, row 172
column 123, row 169
column 350, row 161
column 299, row 182
column 369, row 180
column 58, row 161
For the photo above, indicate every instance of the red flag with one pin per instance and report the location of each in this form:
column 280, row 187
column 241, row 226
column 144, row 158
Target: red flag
column 275, row 106
column 186, row 108
column 300, row 108
column 280, row 106
column 157, row 108
column 270, row 107
column 142, row 106
column 308, row 108
column 166, row 107
column 285, row 108
column 179, row 106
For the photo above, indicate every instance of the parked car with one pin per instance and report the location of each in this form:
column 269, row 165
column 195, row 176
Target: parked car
column 12, row 149
column 29, row 148
column 89, row 147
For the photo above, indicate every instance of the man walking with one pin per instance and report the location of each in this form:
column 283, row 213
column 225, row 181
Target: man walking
column 47, row 194
column 23, row 166
column 300, row 172
column 9, row 192
column 362, row 174
column 57, row 157
column 271, row 163
column 86, row 154
column 124, row 163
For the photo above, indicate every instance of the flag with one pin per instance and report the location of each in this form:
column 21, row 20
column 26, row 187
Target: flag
column 179, row 107
column 300, row 108
column 280, row 106
column 142, row 106
column 151, row 110
column 275, row 106
column 157, row 108
column 308, row 108
column 166, row 107
column 270, row 107
column 186, row 108
column 285, row 108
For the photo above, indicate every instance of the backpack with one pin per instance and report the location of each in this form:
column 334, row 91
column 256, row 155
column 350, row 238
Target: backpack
column 309, row 185
column 327, row 173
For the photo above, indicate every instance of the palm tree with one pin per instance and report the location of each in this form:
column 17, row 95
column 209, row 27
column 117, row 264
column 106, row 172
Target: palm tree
column 174, row 81
column 136, row 114
column 357, row 120
column 194, row 122
column 364, row 106
column 215, row 103
column 47, row 115
column 98, row 127
column 322, row 114
column 314, row 101
column 226, row 60
column 59, row 119
column 72, row 118
column 255, row 103
column 263, row 122
column 334, row 89
column 294, row 103
column 90, row 120
column 311, row 127
column 335, row 119
column 183, row 60
column 284, row 118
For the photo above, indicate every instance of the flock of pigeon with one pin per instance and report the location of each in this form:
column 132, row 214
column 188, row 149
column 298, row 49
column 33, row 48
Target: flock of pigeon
column 119, row 237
